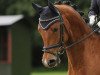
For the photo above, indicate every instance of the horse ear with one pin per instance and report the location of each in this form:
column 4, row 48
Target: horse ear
column 37, row 7
column 52, row 7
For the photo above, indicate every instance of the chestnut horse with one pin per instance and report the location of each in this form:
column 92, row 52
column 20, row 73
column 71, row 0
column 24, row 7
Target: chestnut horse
column 62, row 27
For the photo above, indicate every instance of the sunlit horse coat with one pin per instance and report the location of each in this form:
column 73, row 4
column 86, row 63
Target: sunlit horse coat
column 95, row 8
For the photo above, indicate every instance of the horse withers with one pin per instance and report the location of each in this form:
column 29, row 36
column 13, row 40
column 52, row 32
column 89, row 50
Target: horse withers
column 62, row 27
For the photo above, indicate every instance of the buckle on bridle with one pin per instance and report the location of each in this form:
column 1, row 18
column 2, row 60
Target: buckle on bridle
column 61, row 50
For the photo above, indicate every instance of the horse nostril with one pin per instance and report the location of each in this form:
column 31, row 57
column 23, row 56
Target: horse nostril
column 52, row 62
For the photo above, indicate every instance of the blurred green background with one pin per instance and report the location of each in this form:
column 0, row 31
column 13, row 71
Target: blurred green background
column 15, row 7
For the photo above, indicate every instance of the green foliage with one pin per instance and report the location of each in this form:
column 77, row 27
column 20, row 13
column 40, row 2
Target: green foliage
column 18, row 7
column 25, row 6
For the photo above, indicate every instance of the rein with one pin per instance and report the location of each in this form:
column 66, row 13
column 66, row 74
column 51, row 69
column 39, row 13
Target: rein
column 60, row 44
column 82, row 39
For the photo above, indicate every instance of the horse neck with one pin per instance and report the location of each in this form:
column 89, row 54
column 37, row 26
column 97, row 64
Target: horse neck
column 77, row 29
column 81, row 54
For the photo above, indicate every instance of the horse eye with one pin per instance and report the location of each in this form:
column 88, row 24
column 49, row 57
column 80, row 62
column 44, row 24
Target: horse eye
column 55, row 30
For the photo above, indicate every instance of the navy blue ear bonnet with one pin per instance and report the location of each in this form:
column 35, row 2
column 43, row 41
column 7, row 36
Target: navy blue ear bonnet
column 47, row 17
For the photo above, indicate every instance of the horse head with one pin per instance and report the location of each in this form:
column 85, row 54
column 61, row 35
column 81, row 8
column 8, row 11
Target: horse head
column 51, row 29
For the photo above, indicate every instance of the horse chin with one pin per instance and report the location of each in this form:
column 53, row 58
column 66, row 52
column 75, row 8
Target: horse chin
column 51, row 64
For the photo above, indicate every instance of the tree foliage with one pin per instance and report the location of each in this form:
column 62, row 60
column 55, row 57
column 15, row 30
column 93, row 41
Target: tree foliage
column 25, row 6
column 18, row 6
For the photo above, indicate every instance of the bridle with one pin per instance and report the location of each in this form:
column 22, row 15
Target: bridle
column 61, row 43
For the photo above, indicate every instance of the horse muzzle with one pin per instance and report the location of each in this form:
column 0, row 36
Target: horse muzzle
column 51, row 63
